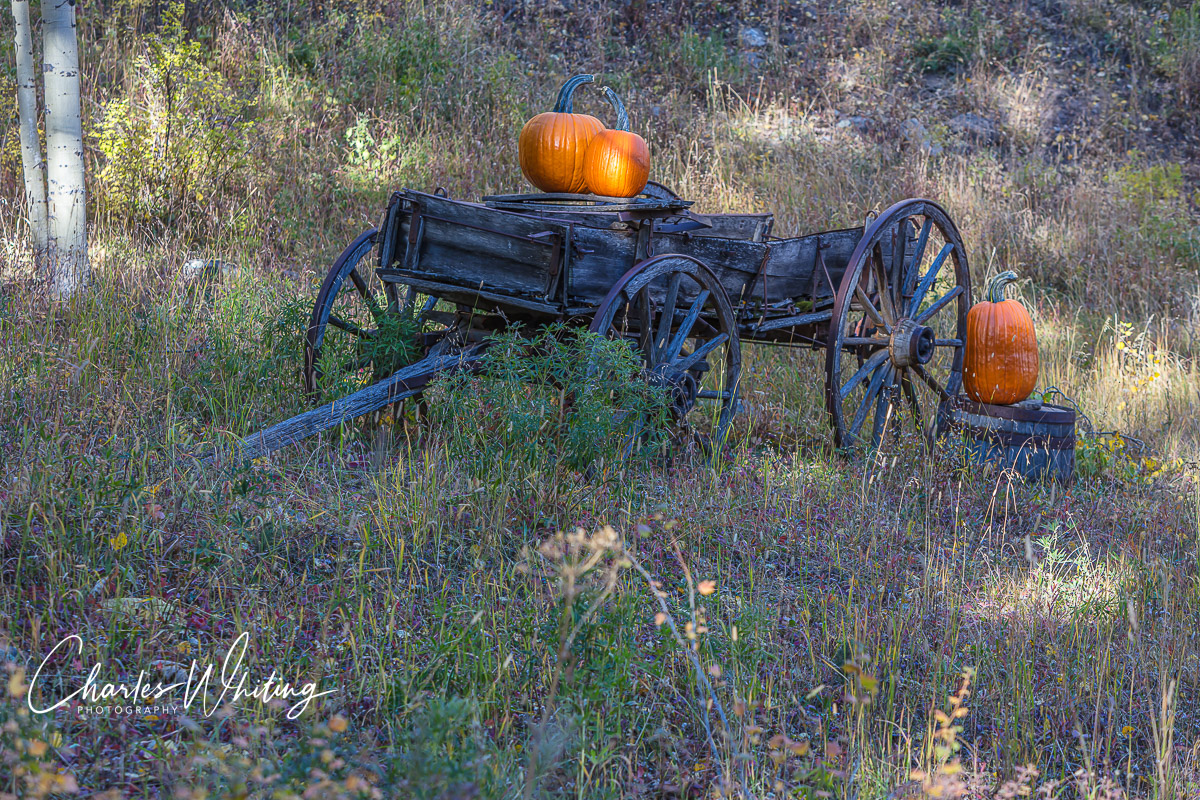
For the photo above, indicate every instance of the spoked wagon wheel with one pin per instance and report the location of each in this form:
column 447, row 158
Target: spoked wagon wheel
column 895, row 349
column 361, row 331
column 678, row 317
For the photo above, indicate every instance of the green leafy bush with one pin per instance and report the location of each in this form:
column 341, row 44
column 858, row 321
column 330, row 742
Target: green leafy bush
column 1153, row 194
column 1178, row 52
column 562, row 398
column 177, row 141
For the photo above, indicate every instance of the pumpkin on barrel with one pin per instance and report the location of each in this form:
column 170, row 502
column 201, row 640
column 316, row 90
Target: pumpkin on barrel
column 1000, row 366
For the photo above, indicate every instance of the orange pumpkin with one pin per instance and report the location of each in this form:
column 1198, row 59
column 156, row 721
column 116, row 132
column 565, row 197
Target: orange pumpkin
column 1000, row 365
column 552, row 144
column 617, row 162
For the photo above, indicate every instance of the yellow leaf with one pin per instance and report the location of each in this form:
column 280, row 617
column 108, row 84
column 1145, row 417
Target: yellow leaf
column 16, row 683
column 338, row 724
column 119, row 541
column 707, row 587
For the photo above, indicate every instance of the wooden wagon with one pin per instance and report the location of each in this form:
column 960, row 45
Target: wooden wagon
column 887, row 302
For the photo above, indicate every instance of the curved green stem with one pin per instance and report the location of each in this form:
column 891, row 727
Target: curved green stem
column 996, row 285
column 563, row 105
column 622, row 114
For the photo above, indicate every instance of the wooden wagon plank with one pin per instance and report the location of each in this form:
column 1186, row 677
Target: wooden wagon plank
column 467, row 244
column 404, row 383
column 473, row 296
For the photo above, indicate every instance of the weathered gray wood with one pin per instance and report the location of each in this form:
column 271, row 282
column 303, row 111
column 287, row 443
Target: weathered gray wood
column 562, row 201
column 506, row 253
column 800, row 320
column 1038, row 443
column 750, row 227
column 404, row 383
column 471, row 296
column 467, row 244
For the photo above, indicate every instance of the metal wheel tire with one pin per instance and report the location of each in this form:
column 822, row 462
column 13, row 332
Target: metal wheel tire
column 678, row 317
column 350, row 308
column 894, row 351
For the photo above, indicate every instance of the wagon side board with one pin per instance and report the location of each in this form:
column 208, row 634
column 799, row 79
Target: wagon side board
column 542, row 266
column 497, row 254
column 791, row 270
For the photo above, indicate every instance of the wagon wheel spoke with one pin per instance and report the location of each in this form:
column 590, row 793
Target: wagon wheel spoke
column 668, row 316
column 937, row 306
column 350, row 327
column 685, row 327
column 927, row 281
column 931, row 382
column 886, row 307
column 690, row 361
column 869, row 397
column 885, row 406
column 645, row 311
column 869, row 307
column 865, row 341
column 866, row 369
column 910, row 272
column 918, row 413
column 367, row 295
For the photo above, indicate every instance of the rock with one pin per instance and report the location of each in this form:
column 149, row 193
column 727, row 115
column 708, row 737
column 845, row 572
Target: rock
column 753, row 38
column 915, row 133
column 975, row 128
column 859, row 124
column 208, row 271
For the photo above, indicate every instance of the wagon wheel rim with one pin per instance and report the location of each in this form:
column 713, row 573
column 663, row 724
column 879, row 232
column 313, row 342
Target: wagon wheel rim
column 678, row 317
column 341, row 349
column 895, row 348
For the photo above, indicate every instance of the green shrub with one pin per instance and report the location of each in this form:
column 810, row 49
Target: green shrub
column 178, row 141
column 1178, row 52
column 1153, row 195
column 560, row 398
column 699, row 56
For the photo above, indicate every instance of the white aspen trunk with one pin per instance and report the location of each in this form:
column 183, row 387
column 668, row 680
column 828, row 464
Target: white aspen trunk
column 64, row 149
column 31, row 146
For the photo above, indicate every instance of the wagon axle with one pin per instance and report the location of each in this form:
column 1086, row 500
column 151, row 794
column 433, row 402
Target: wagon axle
column 680, row 386
column 911, row 344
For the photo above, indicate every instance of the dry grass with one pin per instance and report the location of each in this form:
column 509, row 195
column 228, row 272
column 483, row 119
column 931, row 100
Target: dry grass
column 473, row 643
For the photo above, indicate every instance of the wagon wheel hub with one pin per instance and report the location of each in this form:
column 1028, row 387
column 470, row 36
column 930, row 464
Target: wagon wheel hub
column 911, row 344
column 680, row 385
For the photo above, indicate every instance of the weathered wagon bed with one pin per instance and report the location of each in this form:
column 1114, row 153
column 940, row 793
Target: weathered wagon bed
column 886, row 302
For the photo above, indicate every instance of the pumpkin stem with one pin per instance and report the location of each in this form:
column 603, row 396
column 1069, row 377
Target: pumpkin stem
column 622, row 114
column 997, row 284
column 563, row 106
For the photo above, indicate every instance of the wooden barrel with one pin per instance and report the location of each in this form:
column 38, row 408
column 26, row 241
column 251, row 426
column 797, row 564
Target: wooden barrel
column 1036, row 440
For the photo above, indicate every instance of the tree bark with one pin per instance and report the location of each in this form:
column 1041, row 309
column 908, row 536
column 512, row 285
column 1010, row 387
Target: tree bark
column 68, row 259
column 31, row 146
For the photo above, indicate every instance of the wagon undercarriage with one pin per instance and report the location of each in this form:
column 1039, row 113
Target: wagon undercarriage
column 886, row 302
